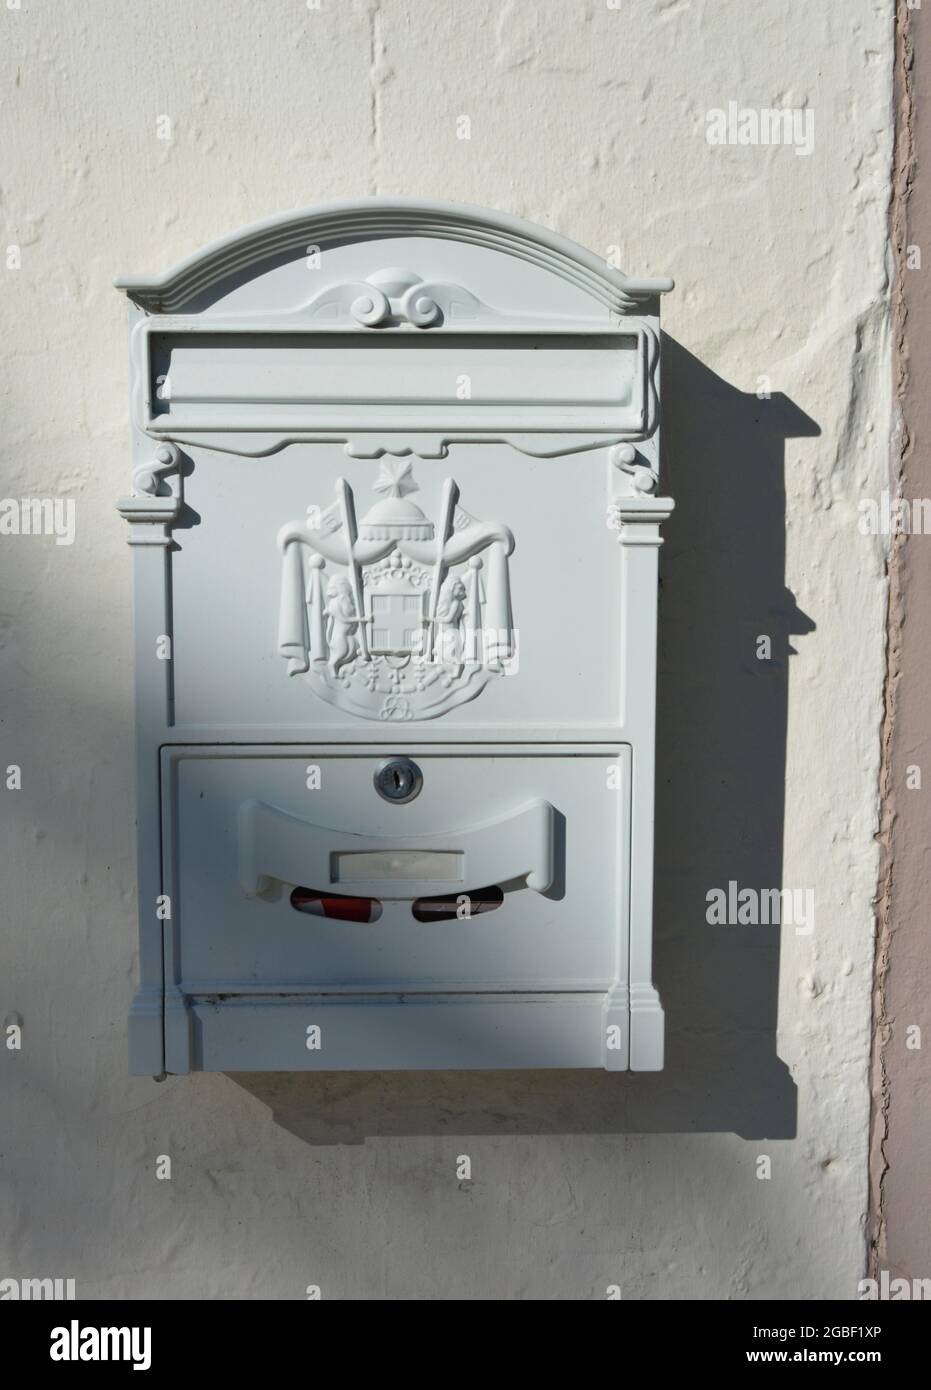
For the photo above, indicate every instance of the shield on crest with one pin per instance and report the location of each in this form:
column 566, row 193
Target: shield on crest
column 395, row 619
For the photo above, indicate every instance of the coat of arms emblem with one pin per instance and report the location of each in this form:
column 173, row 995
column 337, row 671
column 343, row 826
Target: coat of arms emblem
column 395, row 617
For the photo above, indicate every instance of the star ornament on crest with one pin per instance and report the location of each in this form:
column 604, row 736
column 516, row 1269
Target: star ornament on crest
column 395, row 478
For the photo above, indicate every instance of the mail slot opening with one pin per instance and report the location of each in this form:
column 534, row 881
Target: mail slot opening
column 450, row 907
column 336, row 906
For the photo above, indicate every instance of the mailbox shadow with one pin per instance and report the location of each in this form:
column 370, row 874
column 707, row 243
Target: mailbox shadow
column 722, row 716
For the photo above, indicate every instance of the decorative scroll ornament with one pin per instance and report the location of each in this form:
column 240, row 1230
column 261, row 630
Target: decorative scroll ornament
column 394, row 297
column 643, row 479
column 395, row 618
column 147, row 477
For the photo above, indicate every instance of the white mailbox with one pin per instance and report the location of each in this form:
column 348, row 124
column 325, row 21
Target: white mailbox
column 395, row 533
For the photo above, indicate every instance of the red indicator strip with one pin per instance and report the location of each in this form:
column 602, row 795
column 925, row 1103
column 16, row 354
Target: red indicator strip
column 336, row 906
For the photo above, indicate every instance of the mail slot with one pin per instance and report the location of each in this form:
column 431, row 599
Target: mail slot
column 395, row 517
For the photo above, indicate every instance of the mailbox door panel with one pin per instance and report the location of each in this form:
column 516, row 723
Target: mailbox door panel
column 518, row 622
column 289, row 871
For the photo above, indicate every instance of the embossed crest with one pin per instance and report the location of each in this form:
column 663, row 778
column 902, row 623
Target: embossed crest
column 395, row 617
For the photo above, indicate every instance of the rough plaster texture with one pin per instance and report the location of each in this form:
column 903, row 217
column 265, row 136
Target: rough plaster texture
column 590, row 120
column 900, row 1226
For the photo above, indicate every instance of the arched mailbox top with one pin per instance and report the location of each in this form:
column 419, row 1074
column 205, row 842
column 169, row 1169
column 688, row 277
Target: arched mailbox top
column 222, row 266
column 394, row 325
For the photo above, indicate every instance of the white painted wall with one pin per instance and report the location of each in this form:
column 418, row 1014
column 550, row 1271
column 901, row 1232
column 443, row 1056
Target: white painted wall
column 592, row 121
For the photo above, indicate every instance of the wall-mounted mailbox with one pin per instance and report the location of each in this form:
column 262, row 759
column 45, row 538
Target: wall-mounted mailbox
column 395, row 533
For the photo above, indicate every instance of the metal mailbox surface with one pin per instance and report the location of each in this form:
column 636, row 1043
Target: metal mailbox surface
column 395, row 524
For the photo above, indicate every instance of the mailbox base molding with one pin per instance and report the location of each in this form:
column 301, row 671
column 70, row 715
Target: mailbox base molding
column 646, row 1029
column 402, row 1032
column 147, row 1032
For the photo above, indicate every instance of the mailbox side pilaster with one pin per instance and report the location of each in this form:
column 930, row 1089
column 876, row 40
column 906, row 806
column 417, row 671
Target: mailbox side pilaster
column 638, row 521
column 151, row 509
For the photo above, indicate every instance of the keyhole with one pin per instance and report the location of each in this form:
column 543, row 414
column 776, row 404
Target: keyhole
column 398, row 780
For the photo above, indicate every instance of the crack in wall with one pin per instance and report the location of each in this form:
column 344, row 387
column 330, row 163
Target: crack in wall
column 378, row 74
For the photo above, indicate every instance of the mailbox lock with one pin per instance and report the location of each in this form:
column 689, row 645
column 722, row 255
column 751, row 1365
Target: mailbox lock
column 398, row 780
